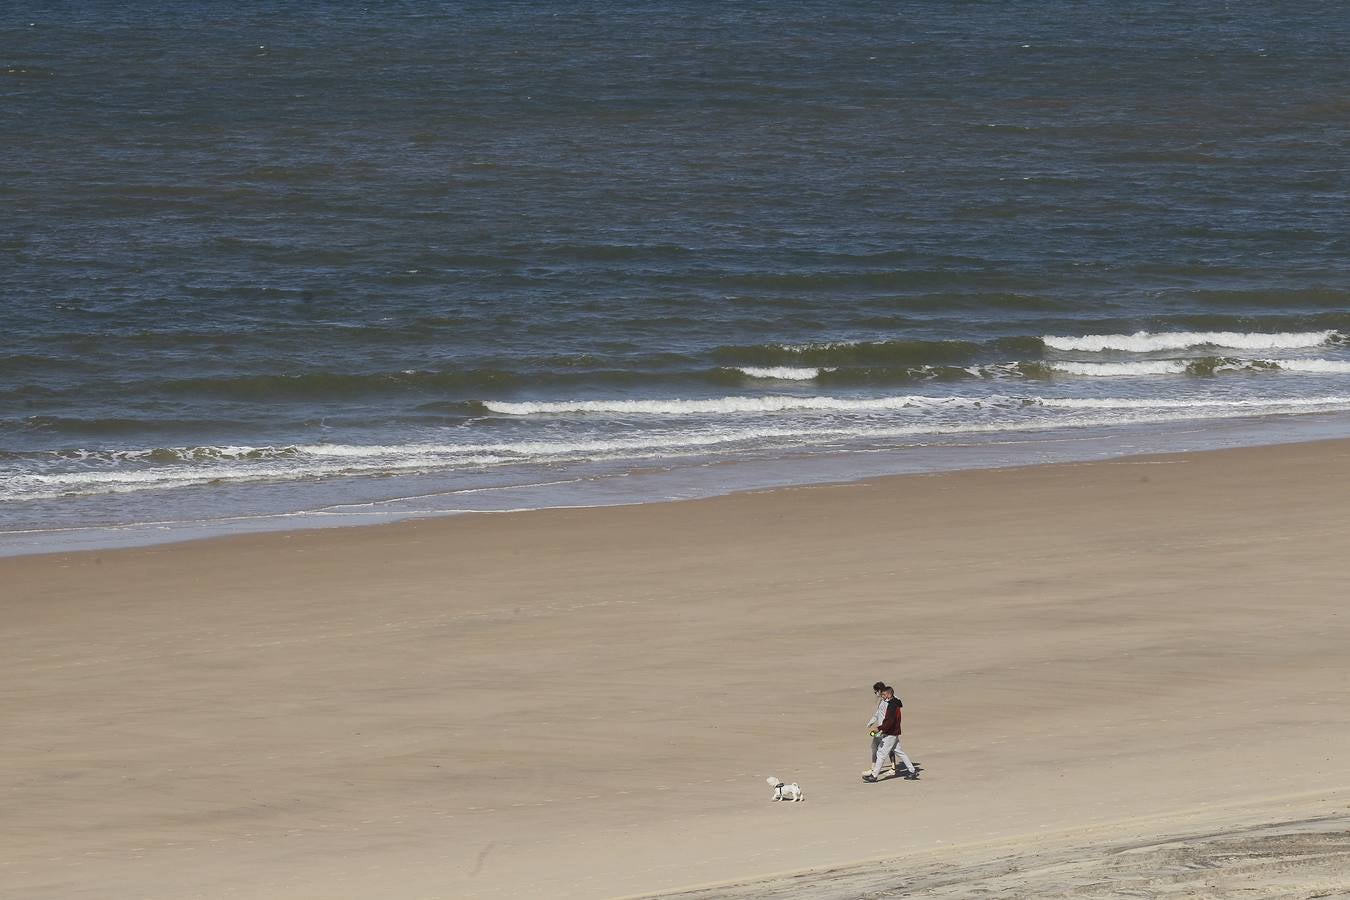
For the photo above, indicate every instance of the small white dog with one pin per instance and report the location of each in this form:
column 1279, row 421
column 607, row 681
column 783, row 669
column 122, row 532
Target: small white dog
column 791, row 792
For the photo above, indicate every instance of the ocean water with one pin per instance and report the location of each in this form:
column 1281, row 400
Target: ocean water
column 313, row 263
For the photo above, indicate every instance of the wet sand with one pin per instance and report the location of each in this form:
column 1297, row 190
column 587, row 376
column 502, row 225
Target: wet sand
column 1303, row 858
column 585, row 703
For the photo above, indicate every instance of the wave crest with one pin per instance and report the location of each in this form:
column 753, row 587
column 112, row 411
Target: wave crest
column 1147, row 342
column 780, row 373
column 742, row 405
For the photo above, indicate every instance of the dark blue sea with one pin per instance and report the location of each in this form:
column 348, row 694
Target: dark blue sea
column 291, row 264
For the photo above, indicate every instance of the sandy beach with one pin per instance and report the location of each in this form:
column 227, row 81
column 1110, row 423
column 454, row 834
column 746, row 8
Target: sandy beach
column 1111, row 672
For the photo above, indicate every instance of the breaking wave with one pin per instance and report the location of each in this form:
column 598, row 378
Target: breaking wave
column 1317, row 366
column 780, row 373
column 1110, row 370
column 722, row 425
column 757, row 405
column 1148, row 342
column 1208, row 365
column 734, row 405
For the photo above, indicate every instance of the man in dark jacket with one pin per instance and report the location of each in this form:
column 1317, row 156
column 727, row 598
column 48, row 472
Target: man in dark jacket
column 889, row 731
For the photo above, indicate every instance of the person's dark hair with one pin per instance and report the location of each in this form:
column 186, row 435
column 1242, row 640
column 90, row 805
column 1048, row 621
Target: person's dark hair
column 878, row 687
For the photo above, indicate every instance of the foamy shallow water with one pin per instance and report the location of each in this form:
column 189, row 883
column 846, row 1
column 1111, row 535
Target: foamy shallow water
column 248, row 509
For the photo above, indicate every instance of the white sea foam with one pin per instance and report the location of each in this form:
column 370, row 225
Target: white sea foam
column 754, row 405
column 996, row 370
column 356, row 460
column 735, row 405
column 179, row 454
column 1113, row 370
column 819, row 345
column 44, row 485
column 549, row 450
column 1181, row 366
column 326, row 460
column 938, row 416
column 780, row 373
column 1320, row 366
column 1146, row 342
column 1235, row 404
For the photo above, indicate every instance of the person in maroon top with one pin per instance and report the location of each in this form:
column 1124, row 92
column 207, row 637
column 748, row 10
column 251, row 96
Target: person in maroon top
column 889, row 731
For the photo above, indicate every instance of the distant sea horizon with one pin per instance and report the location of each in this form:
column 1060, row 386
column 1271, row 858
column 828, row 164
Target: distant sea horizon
column 307, row 264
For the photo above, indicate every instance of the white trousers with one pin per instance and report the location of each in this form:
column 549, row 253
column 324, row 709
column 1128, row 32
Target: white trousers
column 890, row 742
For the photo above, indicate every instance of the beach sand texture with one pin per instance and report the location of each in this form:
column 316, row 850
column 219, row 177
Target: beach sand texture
column 1102, row 664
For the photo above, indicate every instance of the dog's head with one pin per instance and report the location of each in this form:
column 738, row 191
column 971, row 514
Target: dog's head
column 774, row 781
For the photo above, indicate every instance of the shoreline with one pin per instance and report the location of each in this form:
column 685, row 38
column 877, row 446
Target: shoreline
column 717, row 478
column 581, row 703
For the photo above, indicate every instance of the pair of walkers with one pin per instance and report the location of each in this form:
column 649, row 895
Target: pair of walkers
column 884, row 727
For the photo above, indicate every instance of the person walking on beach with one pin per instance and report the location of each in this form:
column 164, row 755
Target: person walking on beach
column 874, row 723
column 873, row 726
column 890, row 738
